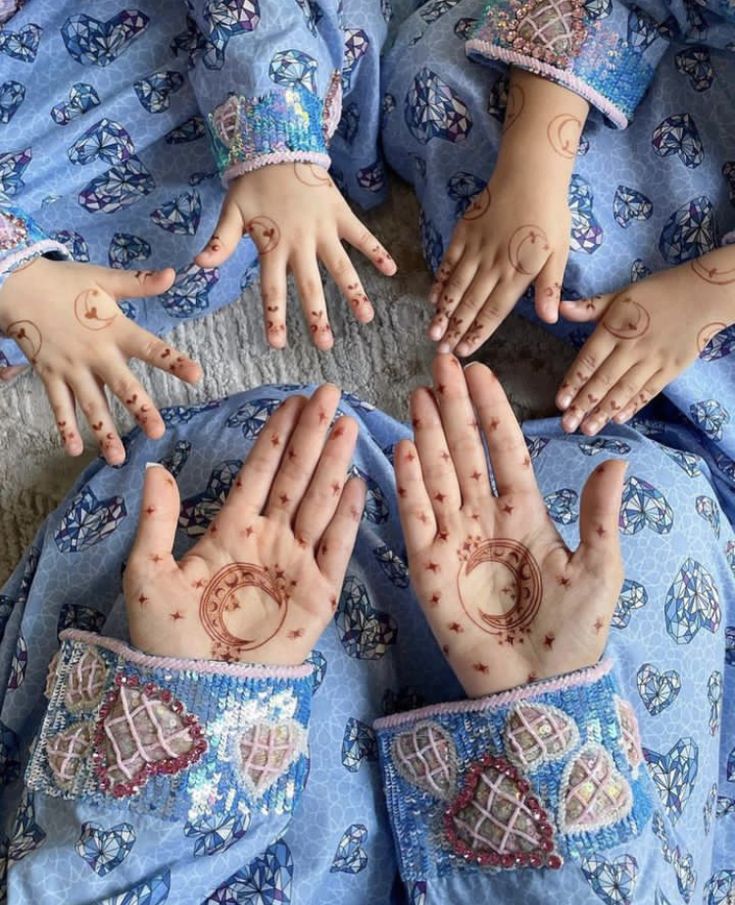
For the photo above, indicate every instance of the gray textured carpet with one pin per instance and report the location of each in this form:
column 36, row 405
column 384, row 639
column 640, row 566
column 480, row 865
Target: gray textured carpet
column 379, row 362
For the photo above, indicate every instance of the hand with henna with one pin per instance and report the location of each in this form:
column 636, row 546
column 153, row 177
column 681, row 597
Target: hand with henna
column 66, row 319
column 296, row 217
column 516, row 231
column 647, row 334
column 507, row 600
column 264, row 581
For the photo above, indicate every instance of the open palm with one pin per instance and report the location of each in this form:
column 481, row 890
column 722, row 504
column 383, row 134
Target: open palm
column 506, row 599
column 263, row 582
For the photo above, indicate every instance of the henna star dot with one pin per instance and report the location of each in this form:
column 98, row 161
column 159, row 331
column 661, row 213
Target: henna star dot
column 455, row 627
column 440, row 497
column 435, row 598
column 150, row 510
column 296, row 633
column 507, row 508
column 432, row 567
column 599, row 625
column 549, row 641
column 600, row 531
column 476, row 475
column 284, row 498
column 176, row 616
column 142, row 600
column 481, row 667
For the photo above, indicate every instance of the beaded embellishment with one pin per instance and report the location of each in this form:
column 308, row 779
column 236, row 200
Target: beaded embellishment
column 495, row 821
column 425, row 756
column 538, row 733
column 332, row 106
column 594, row 794
column 13, row 231
column 631, row 735
column 266, row 750
column 552, row 31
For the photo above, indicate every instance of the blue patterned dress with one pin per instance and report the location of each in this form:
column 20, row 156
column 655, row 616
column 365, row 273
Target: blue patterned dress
column 654, row 179
column 381, row 813
column 116, row 124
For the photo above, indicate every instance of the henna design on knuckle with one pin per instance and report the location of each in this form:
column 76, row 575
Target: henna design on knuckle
column 311, row 175
column 264, row 232
column 26, row 332
column 514, row 106
column 479, row 205
column 380, row 255
column 525, row 247
column 712, row 275
column 563, row 134
column 225, row 594
column 85, row 310
column 525, row 589
column 708, row 333
column 631, row 322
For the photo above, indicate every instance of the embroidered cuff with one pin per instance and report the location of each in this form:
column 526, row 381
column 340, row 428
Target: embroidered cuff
column 22, row 240
column 525, row 778
column 602, row 52
column 175, row 738
column 283, row 125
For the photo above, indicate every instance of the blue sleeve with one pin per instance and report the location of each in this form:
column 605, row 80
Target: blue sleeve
column 151, row 773
column 268, row 78
column 22, row 240
column 606, row 51
column 536, row 795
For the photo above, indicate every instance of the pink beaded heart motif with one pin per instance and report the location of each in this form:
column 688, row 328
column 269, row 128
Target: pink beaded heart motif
column 142, row 731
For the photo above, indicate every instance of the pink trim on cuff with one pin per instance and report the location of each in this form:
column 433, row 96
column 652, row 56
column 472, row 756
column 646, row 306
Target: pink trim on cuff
column 577, row 679
column 28, row 252
column 568, row 79
column 266, row 160
column 210, row 667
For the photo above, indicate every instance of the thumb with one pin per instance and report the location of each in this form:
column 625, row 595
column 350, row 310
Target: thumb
column 123, row 284
column 548, row 287
column 583, row 310
column 159, row 514
column 599, row 547
column 225, row 238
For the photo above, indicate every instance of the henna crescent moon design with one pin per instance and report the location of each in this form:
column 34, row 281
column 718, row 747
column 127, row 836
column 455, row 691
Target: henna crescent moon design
column 708, row 333
column 85, row 311
column 519, row 561
column 311, row 175
column 713, row 274
column 220, row 596
column 28, row 331
column 514, row 106
column 561, row 138
column 479, row 204
column 519, row 240
column 265, row 233
column 633, row 323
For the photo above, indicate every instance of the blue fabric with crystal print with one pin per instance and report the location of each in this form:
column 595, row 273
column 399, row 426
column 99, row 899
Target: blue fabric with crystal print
column 653, row 195
column 672, row 643
column 106, row 115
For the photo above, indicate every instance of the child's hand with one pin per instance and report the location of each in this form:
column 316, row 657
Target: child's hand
column 65, row 318
column 516, row 232
column 507, row 601
column 263, row 582
column 296, row 217
column 648, row 333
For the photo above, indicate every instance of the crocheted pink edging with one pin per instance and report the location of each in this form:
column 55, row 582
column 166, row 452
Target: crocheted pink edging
column 209, row 667
column 28, row 252
column 266, row 160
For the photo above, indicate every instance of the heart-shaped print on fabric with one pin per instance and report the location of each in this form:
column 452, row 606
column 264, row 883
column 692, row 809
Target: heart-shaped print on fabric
column 351, row 857
column 674, row 774
column 692, row 603
column 143, row 731
column 66, row 751
column 633, row 596
column 121, row 186
column 22, row 44
column 267, row 879
column 94, row 43
column 265, row 751
column 695, row 63
column 711, row 416
column 537, row 733
column 426, row 757
column 678, row 134
column 689, row 232
column 104, row 140
column 88, row 521
column 104, row 850
column 562, row 506
column 658, row 690
column 12, row 95
column 180, row 216
column 629, row 205
column 613, row 881
column 594, row 792
column 643, row 506
column 495, row 821
column 86, row 682
column 365, row 633
column 586, row 234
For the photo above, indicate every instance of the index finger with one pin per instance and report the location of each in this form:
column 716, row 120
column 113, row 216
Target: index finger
column 506, row 444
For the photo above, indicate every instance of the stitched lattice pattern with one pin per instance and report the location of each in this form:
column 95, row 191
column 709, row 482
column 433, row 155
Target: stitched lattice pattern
column 549, row 30
column 631, row 735
column 496, row 821
column 66, row 751
column 86, row 682
column 535, row 733
column 266, row 752
column 425, row 756
column 595, row 793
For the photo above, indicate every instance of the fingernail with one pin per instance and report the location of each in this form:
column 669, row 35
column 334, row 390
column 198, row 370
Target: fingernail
column 565, row 401
column 443, row 348
column 435, row 332
column 571, row 423
column 462, row 349
column 154, row 465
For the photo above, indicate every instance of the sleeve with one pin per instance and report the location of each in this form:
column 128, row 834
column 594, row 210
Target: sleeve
column 606, row 51
column 268, row 82
column 523, row 796
column 22, row 240
column 181, row 758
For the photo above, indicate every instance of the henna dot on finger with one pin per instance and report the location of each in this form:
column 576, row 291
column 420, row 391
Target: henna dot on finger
column 432, row 566
column 338, row 432
column 401, row 492
column 442, row 535
column 423, row 518
column 295, row 633
column 455, row 627
column 563, row 581
column 275, row 440
column 142, row 599
column 355, row 513
column 445, row 650
column 445, row 456
column 531, row 677
column 150, row 510
column 284, row 498
column 410, row 456
column 481, row 668
column 493, row 424
column 247, row 531
column 507, row 508
column 199, row 583
column 526, row 462
column 440, row 497
column 300, row 541
column 176, row 616
column 549, row 641
column 323, row 417
column 435, row 598
column 598, row 625
column 336, row 488
column 600, row 531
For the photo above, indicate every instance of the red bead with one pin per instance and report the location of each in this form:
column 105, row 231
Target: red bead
column 533, row 803
column 554, row 862
column 507, row 859
column 166, row 696
column 546, row 844
column 546, row 829
column 535, row 860
column 523, row 786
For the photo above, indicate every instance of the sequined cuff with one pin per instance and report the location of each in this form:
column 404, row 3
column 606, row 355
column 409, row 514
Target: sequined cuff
column 600, row 51
column 280, row 126
column 22, row 240
column 171, row 737
column 522, row 779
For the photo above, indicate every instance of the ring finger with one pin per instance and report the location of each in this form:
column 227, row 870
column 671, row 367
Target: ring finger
column 93, row 403
column 311, row 294
column 62, row 405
